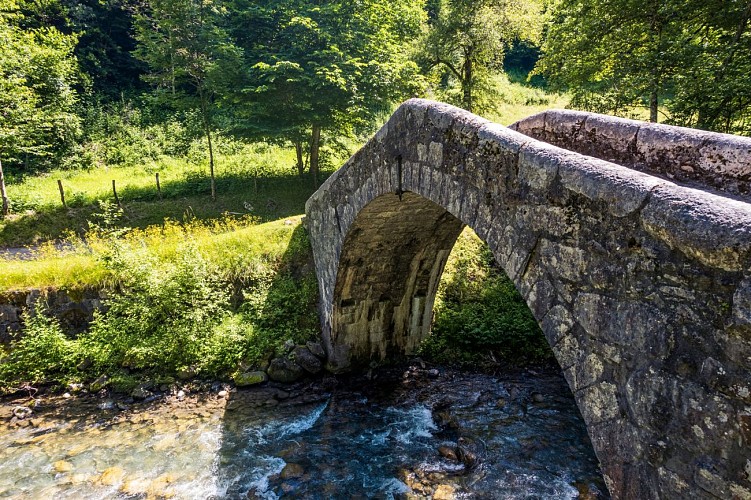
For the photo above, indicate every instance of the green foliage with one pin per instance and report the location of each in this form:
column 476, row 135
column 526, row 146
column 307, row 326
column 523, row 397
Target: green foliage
column 320, row 66
column 172, row 306
column 280, row 307
column 280, row 303
column 37, row 73
column 122, row 134
column 163, row 316
column 41, row 354
column 465, row 46
column 690, row 55
column 479, row 315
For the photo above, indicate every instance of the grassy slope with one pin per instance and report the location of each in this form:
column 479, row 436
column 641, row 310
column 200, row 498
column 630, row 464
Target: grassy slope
column 234, row 246
column 264, row 186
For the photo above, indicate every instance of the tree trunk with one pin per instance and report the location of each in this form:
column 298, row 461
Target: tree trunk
column 467, row 82
column 315, row 142
column 300, row 163
column 207, row 128
column 4, row 193
column 211, row 165
column 653, row 105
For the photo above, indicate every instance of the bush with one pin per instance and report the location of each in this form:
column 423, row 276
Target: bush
column 479, row 314
column 41, row 354
column 163, row 317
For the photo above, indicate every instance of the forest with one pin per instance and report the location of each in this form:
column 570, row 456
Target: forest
column 313, row 74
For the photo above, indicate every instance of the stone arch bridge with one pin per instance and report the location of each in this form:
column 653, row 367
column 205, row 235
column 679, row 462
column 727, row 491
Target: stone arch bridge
column 635, row 260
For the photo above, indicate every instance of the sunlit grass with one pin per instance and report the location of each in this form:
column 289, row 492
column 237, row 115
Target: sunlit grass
column 238, row 248
column 516, row 101
column 257, row 180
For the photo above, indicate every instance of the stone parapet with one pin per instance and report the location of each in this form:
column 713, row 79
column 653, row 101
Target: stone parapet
column 697, row 157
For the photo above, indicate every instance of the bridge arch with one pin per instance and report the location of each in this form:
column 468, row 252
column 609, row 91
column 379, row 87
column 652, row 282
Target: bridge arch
column 641, row 286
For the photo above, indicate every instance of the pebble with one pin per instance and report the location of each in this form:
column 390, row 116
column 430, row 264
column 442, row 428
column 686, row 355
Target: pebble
column 292, row 471
column 62, row 466
column 444, row 492
column 135, row 487
column 107, row 405
column 448, row 452
column 111, row 476
column 158, row 487
column 222, row 393
column 21, row 412
column 66, row 395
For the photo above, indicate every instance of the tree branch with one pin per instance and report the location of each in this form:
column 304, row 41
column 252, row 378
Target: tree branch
column 450, row 66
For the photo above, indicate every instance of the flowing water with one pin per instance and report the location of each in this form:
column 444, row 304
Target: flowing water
column 406, row 434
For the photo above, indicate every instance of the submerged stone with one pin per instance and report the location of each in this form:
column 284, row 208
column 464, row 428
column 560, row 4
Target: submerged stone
column 291, row 471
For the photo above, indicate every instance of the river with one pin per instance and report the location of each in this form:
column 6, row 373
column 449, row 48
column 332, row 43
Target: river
column 410, row 432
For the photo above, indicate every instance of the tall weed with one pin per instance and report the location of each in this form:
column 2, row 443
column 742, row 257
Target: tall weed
column 163, row 315
column 43, row 353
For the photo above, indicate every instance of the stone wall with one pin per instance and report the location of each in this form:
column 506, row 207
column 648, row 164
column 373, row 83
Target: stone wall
column 74, row 309
column 704, row 159
column 641, row 286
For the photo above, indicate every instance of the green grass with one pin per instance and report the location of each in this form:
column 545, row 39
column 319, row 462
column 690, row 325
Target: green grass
column 516, row 100
column 257, row 180
column 237, row 247
column 206, row 297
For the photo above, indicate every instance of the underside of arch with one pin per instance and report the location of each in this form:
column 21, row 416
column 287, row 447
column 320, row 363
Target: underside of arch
column 390, row 266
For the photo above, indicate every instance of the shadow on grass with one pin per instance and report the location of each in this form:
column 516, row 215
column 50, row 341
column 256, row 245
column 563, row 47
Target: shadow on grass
column 282, row 306
column 267, row 197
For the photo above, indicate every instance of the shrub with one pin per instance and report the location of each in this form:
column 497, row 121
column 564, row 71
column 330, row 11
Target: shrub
column 479, row 313
column 163, row 316
column 41, row 354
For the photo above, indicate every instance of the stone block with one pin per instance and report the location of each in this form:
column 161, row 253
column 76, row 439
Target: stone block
column 622, row 191
column 538, row 165
column 712, row 229
column 616, row 135
column 598, row 402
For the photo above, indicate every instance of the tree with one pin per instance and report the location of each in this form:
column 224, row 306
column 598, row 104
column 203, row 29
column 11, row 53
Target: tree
column 314, row 66
column 105, row 41
column 693, row 56
column 187, row 53
column 713, row 90
column 37, row 73
column 468, row 39
column 614, row 54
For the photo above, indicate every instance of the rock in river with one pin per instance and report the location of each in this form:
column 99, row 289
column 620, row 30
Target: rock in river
column 306, row 359
column 284, row 370
column 250, row 378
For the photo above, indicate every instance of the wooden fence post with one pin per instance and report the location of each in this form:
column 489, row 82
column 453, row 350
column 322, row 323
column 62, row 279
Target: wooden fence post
column 158, row 187
column 62, row 192
column 114, row 191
